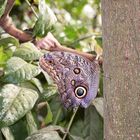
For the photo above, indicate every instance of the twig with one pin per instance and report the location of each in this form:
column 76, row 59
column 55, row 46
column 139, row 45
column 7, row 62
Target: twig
column 85, row 37
column 32, row 8
column 70, row 123
column 10, row 28
column 9, row 6
column 7, row 24
column 81, row 38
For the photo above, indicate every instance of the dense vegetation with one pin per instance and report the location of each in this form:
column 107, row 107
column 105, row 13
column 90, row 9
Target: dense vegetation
column 29, row 101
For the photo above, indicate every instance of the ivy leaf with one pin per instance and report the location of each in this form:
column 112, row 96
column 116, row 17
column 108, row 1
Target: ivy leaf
column 16, row 102
column 2, row 6
column 18, row 70
column 28, row 51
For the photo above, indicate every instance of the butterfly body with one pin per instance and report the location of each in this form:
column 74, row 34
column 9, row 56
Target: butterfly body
column 76, row 77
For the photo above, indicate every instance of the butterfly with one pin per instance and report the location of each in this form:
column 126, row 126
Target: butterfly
column 76, row 77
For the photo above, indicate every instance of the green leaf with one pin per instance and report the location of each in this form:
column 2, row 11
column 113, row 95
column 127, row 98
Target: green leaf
column 7, row 133
column 49, row 91
column 47, row 77
column 9, row 40
column 16, row 102
column 41, row 27
column 4, row 56
column 72, row 137
column 49, row 116
column 70, row 32
column 100, row 93
column 31, row 125
column 28, row 51
column 88, row 126
column 5, row 51
column 19, row 129
column 18, row 70
column 98, row 103
column 37, row 84
column 28, row 84
column 56, row 128
column 17, row 2
column 95, row 127
column 2, row 6
column 57, row 109
column 97, row 2
column 1, row 136
column 47, row 133
column 45, row 21
column 99, row 41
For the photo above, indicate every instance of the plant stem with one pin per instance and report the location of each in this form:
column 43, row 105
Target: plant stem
column 70, row 123
column 86, row 37
column 57, row 116
column 32, row 8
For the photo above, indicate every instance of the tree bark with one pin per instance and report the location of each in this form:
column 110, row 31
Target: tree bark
column 121, row 41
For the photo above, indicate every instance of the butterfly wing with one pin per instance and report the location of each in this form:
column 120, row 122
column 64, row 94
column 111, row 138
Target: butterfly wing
column 77, row 78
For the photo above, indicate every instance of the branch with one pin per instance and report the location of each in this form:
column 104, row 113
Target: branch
column 8, row 8
column 7, row 24
column 85, row 37
column 49, row 43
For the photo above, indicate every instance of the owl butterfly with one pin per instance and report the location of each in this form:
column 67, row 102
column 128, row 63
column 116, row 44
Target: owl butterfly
column 76, row 77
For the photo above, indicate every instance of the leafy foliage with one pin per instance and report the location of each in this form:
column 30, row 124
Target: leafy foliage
column 27, row 51
column 45, row 20
column 17, row 70
column 47, row 133
column 30, row 107
column 15, row 103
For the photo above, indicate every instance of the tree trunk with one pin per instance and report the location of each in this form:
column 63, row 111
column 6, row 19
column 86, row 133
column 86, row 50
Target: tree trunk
column 121, row 41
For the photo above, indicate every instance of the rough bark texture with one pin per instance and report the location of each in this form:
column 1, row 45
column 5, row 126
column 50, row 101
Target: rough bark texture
column 121, row 37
